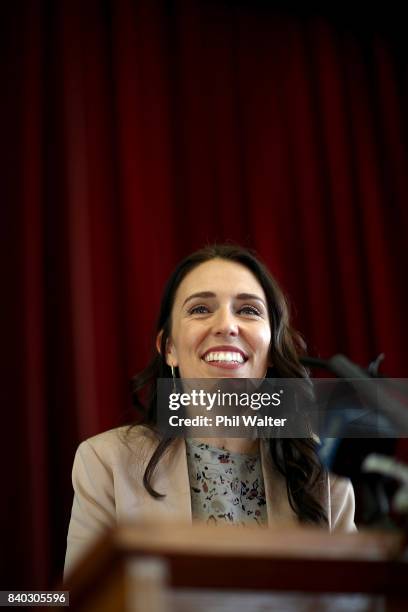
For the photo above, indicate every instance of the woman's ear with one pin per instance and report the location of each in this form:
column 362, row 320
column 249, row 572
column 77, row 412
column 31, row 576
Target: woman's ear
column 158, row 341
column 170, row 355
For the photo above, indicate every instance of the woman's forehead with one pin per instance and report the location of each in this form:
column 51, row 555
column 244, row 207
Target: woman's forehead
column 220, row 276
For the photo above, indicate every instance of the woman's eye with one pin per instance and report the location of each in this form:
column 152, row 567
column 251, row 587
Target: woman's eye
column 200, row 309
column 251, row 310
column 246, row 310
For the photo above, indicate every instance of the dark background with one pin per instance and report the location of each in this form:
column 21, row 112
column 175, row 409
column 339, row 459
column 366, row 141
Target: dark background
column 135, row 132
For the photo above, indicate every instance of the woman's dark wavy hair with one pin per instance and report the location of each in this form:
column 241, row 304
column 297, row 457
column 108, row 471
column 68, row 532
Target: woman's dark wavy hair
column 295, row 458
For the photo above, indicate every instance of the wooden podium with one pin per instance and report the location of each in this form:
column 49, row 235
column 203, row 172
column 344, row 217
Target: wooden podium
column 182, row 568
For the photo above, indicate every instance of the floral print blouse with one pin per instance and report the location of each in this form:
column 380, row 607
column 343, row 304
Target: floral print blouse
column 226, row 487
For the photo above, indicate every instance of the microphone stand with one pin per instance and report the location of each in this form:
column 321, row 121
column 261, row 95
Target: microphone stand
column 395, row 413
column 390, row 407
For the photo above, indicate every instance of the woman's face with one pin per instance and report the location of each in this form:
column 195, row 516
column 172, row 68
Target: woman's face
column 220, row 323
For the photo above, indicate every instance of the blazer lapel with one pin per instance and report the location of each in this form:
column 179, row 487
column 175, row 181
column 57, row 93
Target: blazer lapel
column 277, row 503
column 172, row 479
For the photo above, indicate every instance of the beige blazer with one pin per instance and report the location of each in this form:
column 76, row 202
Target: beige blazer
column 108, row 488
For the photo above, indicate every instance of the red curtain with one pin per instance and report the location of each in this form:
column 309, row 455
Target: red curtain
column 136, row 132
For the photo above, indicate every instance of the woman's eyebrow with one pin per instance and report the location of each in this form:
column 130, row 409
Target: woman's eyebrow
column 200, row 294
column 210, row 294
column 250, row 296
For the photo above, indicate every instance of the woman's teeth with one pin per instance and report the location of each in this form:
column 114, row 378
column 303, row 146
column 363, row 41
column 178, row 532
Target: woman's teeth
column 224, row 356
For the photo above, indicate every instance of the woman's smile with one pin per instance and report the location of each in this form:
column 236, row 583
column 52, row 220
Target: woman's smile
column 227, row 357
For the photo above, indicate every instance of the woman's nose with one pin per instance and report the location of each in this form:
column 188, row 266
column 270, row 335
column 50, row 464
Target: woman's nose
column 225, row 323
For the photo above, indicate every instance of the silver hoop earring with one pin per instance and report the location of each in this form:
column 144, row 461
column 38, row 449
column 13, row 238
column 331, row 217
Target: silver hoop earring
column 173, row 373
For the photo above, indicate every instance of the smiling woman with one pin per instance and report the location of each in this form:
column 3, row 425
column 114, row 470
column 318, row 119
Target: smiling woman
column 222, row 316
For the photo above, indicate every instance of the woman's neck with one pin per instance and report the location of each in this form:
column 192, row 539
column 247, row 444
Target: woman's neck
column 234, row 445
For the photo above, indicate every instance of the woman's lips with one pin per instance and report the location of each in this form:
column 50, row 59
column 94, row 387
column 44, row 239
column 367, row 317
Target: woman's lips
column 225, row 365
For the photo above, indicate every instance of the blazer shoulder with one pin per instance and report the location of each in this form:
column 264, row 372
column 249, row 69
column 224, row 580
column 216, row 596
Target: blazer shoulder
column 104, row 464
column 120, row 441
column 341, row 504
